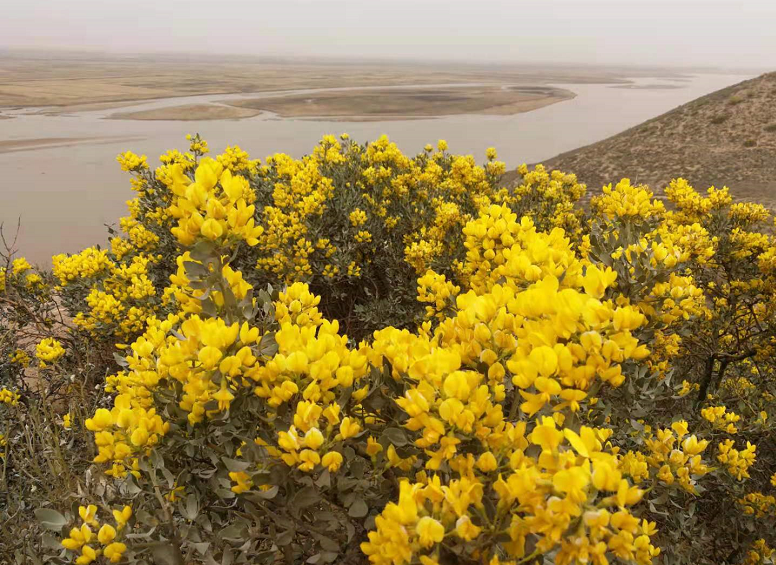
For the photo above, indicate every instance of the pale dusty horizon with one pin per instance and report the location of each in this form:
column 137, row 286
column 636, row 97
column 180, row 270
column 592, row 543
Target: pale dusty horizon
column 731, row 34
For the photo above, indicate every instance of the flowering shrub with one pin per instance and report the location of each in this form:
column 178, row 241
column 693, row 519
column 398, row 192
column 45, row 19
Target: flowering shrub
column 365, row 357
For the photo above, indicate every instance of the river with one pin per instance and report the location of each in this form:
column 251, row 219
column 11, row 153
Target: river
column 66, row 192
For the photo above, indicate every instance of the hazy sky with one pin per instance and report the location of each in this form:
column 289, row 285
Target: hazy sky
column 683, row 32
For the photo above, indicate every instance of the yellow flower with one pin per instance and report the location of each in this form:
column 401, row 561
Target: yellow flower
column 680, row 428
column 585, row 444
column 606, row 475
column 546, row 435
column 139, row 437
column 122, row 516
column 429, row 531
column 373, row 447
column 224, row 397
column 308, row 460
column 87, row 556
column 465, row 529
column 487, row 462
column 115, row 551
column 572, row 482
column 349, row 428
column 88, row 513
column 48, row 351
column 313, row 438
column 106, row 534
column 332, row 461
column 243, row 481
column 209, row 356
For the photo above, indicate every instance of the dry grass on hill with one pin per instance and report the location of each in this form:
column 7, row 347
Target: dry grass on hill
column 725, row 138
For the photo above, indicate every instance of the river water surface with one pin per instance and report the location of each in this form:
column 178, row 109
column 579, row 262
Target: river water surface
column 67, row 191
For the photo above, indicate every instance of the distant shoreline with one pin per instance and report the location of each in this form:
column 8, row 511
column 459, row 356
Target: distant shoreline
column 33, row 82
column 12, row 146
column 372, row 104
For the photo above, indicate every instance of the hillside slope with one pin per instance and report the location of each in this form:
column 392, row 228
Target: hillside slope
column 724, row 138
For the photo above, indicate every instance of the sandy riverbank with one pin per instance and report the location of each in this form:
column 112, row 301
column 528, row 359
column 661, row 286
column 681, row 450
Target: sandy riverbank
column 65, row 80
column 189, row 113
column 13, row 145
column 358, row 105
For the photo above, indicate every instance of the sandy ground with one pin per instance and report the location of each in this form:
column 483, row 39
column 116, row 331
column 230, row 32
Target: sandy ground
column 66, row 79
column 409, row 103
column 368, row 105
column 190, row 112
column 649, row 86
column 87, row 107
column 13, row 145
column 727, row 138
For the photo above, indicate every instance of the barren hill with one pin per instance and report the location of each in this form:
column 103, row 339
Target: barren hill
column 725, row 138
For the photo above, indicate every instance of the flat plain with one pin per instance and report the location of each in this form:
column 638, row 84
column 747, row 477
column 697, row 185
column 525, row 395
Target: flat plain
column 393, row 103
column 190, row 113
column 67, row 82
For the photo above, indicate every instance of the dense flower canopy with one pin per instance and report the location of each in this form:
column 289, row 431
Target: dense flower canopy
column 365, row 357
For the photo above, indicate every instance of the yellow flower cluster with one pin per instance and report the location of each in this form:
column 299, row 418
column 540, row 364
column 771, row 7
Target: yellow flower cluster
column 236, row 159
column 687, row 387
column 500, row 418
column 739, row 386
column 300, row 194
column 215, row 205
column 759, row 505
column 314, row 362
column 676, row 299
column 438, row 293
column 691, row 205
column 125, row 431
column 296, row 305
column 721, row 418
column 746, row 244
column 79, row 539
column 746, row 213
column 627, row 201
column 549, row 197
column 129, row 161
column 676, row 456
column 737, row 462
column 49, row 350
column 9, row 397
column 357, row 217
column 197, row 145
column 573, row 479
column 681, row 242
column 497, row 245
column 84, row 265
column 21, row 358
column 760, row 553
column 121, row 301
column 138, row 238
column 20, row 265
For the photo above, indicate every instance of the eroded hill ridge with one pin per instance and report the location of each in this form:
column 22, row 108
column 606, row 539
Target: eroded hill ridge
column 724, row 138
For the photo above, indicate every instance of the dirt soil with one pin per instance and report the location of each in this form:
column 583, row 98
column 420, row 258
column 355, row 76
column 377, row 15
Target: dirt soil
column 416, row 102
column 189, row 112
column 727, row 138
column 65, row 79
